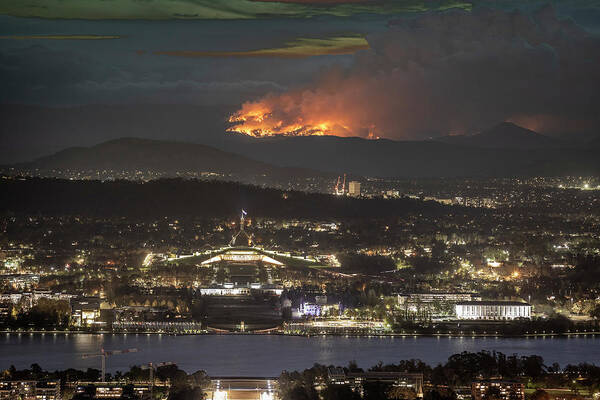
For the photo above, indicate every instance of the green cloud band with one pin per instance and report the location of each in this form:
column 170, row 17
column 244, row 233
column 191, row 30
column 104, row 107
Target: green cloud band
column 213, row 9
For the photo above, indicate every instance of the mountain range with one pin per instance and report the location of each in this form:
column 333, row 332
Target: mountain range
column 165, row 157
column 503, row 150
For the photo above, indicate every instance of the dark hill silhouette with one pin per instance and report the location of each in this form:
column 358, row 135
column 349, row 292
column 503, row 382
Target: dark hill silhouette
column 504, row 135
column 389, row 158
column 285, row 157
column 132, row 154
column 29, row 131
column 178, row 197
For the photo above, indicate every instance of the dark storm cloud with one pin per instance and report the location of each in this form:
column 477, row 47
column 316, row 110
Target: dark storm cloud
column 127, row 70
column 177, row 91
column 41, row 75
column 457, row 72
column 27, row 70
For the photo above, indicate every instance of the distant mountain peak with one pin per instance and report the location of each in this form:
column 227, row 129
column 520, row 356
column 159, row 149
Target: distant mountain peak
column 503, row 135
column 509, row 128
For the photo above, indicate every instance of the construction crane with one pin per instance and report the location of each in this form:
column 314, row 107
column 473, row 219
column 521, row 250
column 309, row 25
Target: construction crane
column 337, row 189
column 152, row 367
column 104, row 353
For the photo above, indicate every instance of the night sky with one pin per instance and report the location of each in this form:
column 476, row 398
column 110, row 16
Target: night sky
column 394, row 69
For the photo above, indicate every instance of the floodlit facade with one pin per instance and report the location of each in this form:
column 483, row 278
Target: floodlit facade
column 430, row 297
column 234, row 388
column 225, row 291
column 242, row 256
column 229, row 289
column 492, row 310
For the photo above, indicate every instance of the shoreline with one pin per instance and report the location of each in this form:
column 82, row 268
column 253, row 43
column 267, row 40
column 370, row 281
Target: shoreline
column 307, row 335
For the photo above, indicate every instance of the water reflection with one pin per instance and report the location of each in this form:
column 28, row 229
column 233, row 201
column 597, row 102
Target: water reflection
column 269, row 355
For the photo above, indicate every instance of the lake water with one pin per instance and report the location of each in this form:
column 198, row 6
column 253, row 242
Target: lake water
column 268, row 355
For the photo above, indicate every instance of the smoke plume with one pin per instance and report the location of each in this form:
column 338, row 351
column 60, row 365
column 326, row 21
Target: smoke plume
column 447, row 73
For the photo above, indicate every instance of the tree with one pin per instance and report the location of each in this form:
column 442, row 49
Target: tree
column 186, row 393
column 199, row 379
column 540, row 394
column 533, row 366
column 401, row 393
column 173, row 374
column 339, row 392
column 375, row 391
column 435, row 394
column 595, row 312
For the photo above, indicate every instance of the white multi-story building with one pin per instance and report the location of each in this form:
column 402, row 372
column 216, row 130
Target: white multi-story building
column 492, row 310
column 312, row 309
column 225, row 290
column 354, row 189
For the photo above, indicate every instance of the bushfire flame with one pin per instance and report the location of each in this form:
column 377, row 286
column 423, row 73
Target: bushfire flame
column 259, row 119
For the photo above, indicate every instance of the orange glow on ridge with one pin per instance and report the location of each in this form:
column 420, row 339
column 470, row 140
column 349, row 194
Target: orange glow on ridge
column 260, row 119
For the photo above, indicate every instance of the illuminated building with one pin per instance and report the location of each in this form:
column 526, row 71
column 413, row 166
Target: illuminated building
column 113, row 390
column 85, row 311
column 158, row 326
column 492, row 310
column 436, row 296
column 29, row 299
column 5, row 310
column 21, row 281
column 242, row 256
column 12, row 298
column 225, row 290
column 234, row 388
column 229, row 289
column 354, row 188
column 391, row 194
column 357, row 380
column 337, row 376
column 506, row 390
column 337, row 327
column 311, row 309
column 30, row 390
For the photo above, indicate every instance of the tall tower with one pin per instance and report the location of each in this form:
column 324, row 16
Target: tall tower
column 242, row 225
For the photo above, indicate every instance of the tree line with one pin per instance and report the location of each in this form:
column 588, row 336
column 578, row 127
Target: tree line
column 179, row 197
